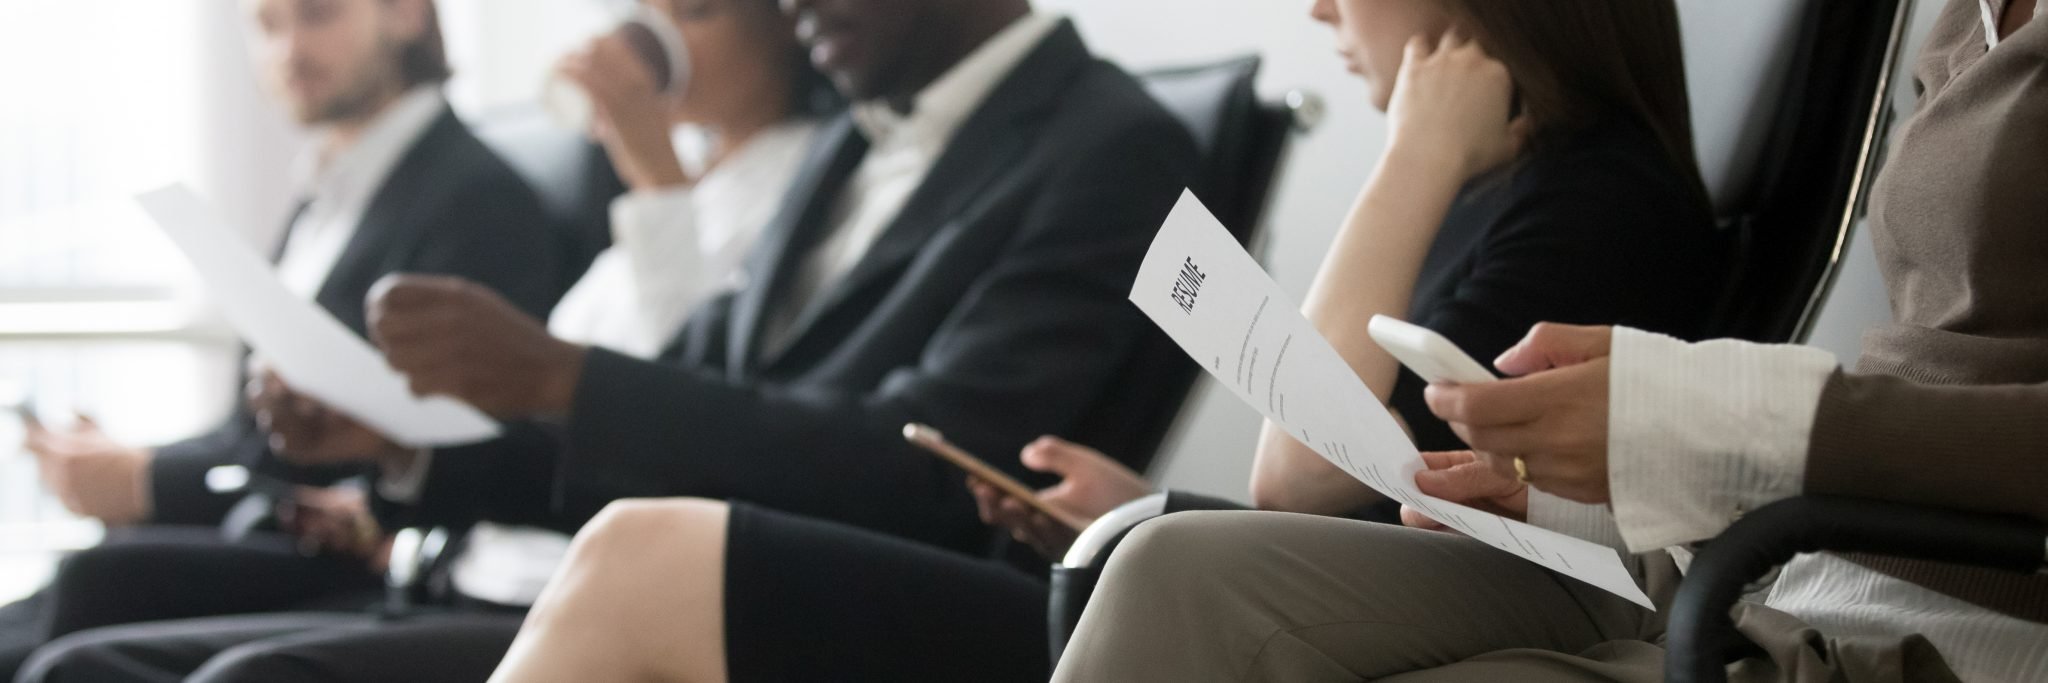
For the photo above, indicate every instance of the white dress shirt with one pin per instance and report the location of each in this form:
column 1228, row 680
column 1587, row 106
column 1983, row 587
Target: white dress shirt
column 902, row 149
column 671, row 250
column 338, row 185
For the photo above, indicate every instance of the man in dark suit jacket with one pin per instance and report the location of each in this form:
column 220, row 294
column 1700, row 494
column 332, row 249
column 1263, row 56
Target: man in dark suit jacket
column 1007, row 184
column 400, row 186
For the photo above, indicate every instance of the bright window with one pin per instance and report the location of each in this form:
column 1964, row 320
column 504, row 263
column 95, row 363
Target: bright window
column 99, row 101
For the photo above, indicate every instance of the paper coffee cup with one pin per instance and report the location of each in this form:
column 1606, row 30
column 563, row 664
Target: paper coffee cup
column 658, row 44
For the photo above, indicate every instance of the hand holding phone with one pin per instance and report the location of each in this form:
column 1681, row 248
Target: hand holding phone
column 1428, row 354
column 931, row 440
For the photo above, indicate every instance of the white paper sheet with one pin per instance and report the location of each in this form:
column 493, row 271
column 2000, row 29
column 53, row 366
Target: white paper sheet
column 308, row 348
column 1213, row 299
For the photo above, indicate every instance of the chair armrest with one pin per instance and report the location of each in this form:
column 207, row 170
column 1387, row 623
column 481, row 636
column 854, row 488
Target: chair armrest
column 1701, row 634
column 1109, row 528
column 1074, row 577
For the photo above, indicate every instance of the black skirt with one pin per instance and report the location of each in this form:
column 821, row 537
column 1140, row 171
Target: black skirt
column 810, row 600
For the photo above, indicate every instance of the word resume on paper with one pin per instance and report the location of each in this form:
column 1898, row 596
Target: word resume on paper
column 1213, row 299
column 301, row 342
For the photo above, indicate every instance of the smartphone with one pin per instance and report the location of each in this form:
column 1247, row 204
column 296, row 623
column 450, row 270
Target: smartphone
column 1432, row 357
column 931, row 440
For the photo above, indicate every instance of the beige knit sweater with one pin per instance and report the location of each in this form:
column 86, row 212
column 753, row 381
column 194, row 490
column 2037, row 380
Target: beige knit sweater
column 1954, row 410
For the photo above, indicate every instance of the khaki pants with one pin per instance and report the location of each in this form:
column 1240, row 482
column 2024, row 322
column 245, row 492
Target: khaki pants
column 1247, row 596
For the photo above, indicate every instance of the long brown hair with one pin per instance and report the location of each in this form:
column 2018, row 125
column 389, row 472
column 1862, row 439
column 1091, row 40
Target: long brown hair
column 1580, row 63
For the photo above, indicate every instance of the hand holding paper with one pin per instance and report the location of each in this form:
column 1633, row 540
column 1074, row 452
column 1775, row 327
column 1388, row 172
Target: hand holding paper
column 1206, row 293
column 455, row 337
column 308, row 348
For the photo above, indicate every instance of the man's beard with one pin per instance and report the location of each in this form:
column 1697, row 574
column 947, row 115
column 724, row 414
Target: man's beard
column 363, row 97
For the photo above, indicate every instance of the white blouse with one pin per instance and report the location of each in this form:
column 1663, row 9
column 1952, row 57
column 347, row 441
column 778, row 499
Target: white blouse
column 673, row 249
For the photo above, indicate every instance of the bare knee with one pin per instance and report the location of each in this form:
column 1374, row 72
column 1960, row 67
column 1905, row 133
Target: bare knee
column 636, row 526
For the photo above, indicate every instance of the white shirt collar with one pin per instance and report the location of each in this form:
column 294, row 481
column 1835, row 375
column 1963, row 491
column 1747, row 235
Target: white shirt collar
column 349, row 175
column 1994, row 10
column 942, row 107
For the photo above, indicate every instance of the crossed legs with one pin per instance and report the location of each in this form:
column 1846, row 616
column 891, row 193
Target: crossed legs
column 1249, row 596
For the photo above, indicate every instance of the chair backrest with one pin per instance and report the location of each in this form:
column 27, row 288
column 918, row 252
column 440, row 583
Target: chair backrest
column 1242, row 141
column 1788, row 109
column 572, row 176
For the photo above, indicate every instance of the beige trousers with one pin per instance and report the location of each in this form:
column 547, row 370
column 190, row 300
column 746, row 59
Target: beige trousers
column 1250, row 596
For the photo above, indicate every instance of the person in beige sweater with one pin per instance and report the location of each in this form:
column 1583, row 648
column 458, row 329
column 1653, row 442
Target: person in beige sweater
column 1667, row 443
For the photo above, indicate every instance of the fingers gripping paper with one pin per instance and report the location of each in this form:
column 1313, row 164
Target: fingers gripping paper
column 312, row 351
column 1207, row 293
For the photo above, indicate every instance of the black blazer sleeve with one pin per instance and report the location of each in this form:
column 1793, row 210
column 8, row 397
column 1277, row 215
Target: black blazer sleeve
column 177, row 473
column 1033, row 341
column 490, row 230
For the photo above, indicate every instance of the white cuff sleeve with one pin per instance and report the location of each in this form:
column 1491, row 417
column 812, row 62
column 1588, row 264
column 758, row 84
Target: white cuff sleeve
column 643, row 215
column 405, row 485
column 1697, row 434
column 1577, row 520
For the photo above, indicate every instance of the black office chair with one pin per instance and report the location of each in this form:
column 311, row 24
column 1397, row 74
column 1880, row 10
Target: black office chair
column 1701, row 638
column 572, row 175
column 1792, row 223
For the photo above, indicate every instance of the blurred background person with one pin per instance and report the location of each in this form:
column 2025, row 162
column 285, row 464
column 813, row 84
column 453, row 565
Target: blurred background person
column 743, row 123
column 392, row 181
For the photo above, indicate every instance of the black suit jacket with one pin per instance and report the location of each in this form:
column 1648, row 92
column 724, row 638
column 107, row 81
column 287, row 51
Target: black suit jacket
column 449, row 206
column 994, row 308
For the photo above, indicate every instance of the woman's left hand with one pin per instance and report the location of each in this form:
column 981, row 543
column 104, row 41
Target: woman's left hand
column 1452, row 104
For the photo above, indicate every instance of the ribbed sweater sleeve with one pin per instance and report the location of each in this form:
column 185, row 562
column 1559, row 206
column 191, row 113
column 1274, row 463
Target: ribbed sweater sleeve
column 1979, row 449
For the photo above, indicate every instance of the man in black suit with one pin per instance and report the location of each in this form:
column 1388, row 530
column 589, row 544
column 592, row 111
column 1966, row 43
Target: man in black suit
column 394, row 182
column 957, row 251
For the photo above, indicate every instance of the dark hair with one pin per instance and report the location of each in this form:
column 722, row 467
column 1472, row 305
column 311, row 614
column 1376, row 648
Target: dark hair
column 425, row 60
column 1581, row 63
